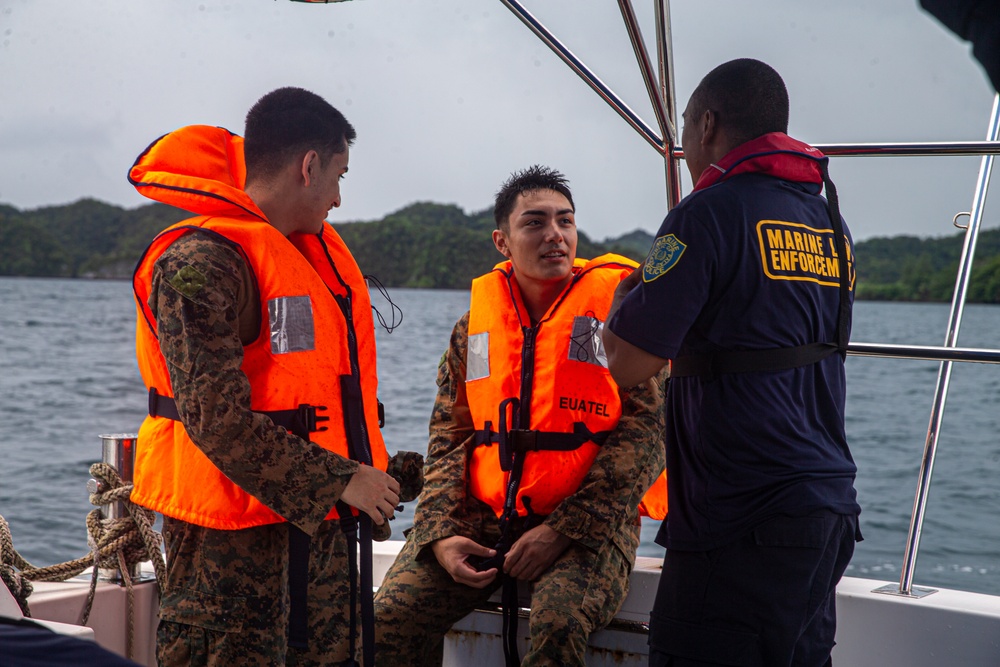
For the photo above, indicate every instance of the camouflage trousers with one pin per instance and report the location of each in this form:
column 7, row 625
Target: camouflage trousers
column 227, row 601
column 418, row 602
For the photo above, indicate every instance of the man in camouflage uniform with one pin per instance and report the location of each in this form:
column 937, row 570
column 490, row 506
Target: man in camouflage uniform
column 227, row 599
column 579, row 558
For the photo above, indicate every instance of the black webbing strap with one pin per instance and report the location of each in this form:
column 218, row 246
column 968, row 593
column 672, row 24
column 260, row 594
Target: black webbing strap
column 712, row 364
column 522, row 441
column 300, row 421
column 359, row 450
column 747, row 361
column 368, row 591
column 840, row 245
column 510, row 606
column 349, row 526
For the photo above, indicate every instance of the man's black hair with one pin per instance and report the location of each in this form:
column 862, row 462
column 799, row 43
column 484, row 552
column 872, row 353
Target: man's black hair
column 748, row 97
column 286, row 123
column 535, row 177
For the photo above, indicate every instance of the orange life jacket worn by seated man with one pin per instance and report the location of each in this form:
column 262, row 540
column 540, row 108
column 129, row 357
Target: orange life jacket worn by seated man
column 543, row 393
column 313, row 360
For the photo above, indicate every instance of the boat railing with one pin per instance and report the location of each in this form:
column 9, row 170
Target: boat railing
column 663, row 101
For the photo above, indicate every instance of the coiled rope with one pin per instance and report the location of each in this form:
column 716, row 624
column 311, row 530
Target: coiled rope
column 114, row 543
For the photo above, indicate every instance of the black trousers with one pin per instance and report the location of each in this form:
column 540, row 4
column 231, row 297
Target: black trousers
column 767, row 599
column 24, row 643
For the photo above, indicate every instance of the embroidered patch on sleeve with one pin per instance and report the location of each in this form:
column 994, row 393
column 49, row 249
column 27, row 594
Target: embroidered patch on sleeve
column 663, row 256
column 793, row 251
column 188, row 281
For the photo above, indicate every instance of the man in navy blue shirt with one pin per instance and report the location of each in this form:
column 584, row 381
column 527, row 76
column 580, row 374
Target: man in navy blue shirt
column 748, row 291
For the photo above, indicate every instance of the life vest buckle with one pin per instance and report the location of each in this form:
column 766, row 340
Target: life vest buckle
column 307, row 413
column 523, row 440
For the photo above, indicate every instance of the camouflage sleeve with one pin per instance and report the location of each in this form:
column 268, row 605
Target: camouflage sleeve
column 626, row 466
column 196, row 294
column 444, row 508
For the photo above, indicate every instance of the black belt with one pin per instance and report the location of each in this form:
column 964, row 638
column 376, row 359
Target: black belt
column 746, row 361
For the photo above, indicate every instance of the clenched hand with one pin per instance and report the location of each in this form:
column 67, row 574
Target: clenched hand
column 534, row 552
column 373, row 492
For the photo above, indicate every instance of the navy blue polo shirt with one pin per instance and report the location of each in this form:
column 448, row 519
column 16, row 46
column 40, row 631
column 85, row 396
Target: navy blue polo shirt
column 747, row 263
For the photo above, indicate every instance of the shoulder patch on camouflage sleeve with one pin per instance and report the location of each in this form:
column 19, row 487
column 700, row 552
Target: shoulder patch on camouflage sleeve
column 188, row 281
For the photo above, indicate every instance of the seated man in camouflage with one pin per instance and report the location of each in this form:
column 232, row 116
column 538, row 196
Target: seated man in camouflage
column 537, row 461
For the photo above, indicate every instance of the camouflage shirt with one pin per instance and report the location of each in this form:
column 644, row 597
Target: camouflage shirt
column 207, row 308
column 603, row 508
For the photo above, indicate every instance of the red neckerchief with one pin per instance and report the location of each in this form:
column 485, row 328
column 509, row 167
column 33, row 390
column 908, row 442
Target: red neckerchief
column 775, row 154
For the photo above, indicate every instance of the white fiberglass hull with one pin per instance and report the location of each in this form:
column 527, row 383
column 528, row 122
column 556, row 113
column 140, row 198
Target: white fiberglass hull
column 944, row 628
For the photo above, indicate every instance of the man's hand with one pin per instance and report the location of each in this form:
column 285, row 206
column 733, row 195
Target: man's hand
column 453, row 554
column 373, row 492
column 534, row 552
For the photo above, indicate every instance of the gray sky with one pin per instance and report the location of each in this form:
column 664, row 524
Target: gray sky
column 450, row 96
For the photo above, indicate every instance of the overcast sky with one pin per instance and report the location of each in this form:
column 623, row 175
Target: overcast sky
column 450, row 96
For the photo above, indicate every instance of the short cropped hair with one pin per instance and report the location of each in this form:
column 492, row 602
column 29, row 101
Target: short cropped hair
column 286, row 123
column 748, row 97
column 535, row 177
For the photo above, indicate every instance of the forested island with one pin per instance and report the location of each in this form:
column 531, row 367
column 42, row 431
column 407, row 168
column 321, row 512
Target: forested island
column 431, row 245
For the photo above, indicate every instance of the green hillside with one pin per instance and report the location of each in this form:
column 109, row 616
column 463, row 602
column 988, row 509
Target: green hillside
column 440, row 246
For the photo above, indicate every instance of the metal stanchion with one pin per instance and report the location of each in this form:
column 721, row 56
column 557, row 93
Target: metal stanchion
column 118, row 450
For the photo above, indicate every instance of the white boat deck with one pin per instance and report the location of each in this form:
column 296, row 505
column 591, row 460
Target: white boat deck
column 951, row 628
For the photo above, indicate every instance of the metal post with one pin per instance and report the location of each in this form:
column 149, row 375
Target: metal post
column 665, row 47
column 118, row 450
column 944, row 374
column 646, row 67
column 584, row 73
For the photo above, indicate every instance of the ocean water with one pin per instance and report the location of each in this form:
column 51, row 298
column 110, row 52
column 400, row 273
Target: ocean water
column 68, row 374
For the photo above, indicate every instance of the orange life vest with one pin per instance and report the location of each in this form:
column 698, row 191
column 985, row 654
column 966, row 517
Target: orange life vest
column 302, row 278
column 566, row 401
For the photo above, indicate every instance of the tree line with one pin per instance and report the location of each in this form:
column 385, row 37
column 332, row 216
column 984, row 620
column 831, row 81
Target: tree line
column 439, row 246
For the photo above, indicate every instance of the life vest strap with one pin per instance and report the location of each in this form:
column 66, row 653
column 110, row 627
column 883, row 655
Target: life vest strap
column 301, row 421
column 746, row 361
column 527, row 440
column 521, row 441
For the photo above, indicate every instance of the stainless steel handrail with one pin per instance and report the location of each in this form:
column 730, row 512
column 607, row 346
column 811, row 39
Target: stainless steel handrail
column 665, row 122
column 584, row 72
column 944, row 374
column 665, row 50
column 911, row 149
column 925, row 352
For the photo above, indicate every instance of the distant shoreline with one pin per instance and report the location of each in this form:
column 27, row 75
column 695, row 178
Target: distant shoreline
column 440, row 246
